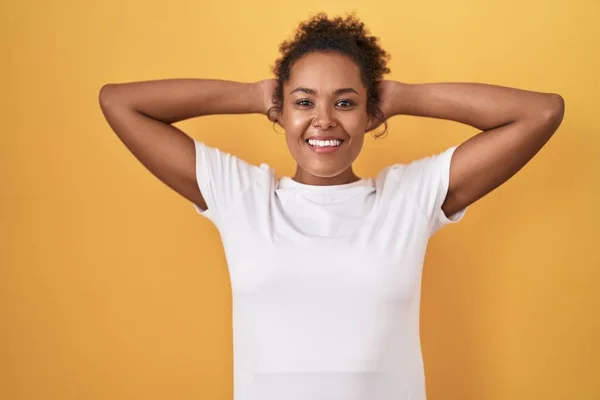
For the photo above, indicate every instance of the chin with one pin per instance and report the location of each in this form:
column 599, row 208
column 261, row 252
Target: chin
column 325, row 171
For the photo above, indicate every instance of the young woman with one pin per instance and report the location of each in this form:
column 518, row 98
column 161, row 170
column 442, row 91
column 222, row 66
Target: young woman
column 325, row 266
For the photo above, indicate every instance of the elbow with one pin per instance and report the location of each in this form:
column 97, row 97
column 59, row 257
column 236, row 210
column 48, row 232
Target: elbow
column 106, row 95
column 550, row 113
column 554, row 110
column 557, row 105
column 110, row 95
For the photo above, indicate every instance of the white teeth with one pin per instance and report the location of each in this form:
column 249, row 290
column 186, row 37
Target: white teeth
column 324, row 143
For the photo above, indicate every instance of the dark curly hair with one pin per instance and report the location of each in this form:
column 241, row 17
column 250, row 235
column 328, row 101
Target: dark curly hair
column 347, row 36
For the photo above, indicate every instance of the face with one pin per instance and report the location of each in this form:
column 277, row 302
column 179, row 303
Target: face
column 324, row 117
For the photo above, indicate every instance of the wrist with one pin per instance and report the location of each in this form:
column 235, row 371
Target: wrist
column 255, row 94
column 400, row 95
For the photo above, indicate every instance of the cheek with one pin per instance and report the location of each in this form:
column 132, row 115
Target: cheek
column 354, row 123
column 296, row 123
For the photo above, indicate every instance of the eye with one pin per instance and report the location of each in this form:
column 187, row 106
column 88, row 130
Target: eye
column 304, row 103
column 345, row 103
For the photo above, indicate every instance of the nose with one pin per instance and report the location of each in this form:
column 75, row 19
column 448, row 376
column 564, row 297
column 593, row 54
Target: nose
column 324, row 118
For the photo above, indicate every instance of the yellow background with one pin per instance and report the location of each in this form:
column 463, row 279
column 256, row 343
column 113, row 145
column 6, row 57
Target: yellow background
column 111, row 287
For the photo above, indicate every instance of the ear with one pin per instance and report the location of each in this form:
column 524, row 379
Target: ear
column 373, row 123
column 279, row 118
column 274, row 115
column 369, row 123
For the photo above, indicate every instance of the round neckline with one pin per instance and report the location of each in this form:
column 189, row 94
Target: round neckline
column 287, row 182
column 316, row 192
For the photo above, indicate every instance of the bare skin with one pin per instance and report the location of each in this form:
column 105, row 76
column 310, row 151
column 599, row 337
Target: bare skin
column 515, row 124
column 141, row 114
column 326, row 97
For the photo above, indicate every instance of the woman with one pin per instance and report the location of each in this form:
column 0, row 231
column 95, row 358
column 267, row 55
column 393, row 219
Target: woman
column 325, row 266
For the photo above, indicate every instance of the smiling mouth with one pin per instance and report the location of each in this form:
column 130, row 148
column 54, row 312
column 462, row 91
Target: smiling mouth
column 317, row 143
column 324, row 146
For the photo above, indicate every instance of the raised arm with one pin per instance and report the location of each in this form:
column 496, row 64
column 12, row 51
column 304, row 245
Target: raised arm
column 515, row 125
column 141, row 114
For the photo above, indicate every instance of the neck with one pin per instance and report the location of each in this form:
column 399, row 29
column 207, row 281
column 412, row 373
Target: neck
column 348, row 176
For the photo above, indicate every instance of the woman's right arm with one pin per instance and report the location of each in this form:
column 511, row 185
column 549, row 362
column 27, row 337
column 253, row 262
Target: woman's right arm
column 141, row 114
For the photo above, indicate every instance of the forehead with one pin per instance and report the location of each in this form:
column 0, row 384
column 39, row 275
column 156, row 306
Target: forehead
column 325, row 71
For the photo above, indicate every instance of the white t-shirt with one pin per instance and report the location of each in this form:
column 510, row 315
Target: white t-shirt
column 325, row 280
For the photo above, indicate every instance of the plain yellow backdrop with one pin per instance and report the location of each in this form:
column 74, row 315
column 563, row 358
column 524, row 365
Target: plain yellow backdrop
column 112, row 287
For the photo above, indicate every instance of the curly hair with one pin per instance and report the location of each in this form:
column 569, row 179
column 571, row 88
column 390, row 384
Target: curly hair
column 347, row 36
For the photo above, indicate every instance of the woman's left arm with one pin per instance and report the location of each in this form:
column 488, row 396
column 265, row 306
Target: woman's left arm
column 515, row 125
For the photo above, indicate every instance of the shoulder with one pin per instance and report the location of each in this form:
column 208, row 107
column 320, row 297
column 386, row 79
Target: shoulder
column 225, row 179
column 216, row 160
column 418, row 171
column 423, row 182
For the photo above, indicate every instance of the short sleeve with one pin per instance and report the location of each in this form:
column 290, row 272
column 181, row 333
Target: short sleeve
column 437, row 170
column 425, row 181
column 222, row 179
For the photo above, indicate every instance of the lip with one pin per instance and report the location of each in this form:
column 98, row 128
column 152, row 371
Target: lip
column 324, row 138
column 324, row 150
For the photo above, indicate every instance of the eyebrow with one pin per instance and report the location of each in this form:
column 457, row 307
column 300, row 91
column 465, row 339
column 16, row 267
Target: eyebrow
column 313, row 91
